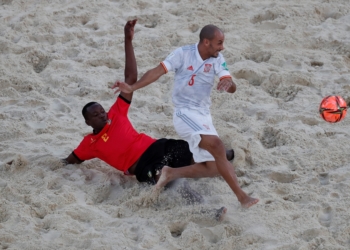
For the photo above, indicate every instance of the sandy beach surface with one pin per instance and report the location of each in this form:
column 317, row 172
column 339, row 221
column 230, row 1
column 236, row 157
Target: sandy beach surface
column 55, row 56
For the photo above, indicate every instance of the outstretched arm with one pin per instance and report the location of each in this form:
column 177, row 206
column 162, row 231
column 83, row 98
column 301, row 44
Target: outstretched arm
column 149, row 77
column 130, row 71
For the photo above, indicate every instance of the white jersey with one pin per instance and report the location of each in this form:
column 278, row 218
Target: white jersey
column 194, row 78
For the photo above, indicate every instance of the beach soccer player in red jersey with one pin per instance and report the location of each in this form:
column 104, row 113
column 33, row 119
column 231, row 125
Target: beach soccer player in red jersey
column 195, row 68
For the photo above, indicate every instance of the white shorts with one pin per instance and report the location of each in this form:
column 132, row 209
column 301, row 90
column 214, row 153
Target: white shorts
column 189, row 125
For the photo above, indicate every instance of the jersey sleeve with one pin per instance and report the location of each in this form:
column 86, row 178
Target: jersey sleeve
column 121, row 106
column 221, row 69
column 173, row 61
column 83, row 151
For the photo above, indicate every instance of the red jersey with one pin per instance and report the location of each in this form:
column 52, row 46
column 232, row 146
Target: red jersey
column 118, row 143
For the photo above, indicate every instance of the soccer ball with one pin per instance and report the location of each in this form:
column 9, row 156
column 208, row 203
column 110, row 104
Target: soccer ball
column 333, row 108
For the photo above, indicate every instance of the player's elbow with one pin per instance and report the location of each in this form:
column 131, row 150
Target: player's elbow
column 130, row 78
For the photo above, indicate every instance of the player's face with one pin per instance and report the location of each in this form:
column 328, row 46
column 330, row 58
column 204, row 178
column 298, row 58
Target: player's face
column 216, row 44
column 96, row 117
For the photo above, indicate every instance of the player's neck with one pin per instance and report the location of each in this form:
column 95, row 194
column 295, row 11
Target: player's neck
column 203, row 52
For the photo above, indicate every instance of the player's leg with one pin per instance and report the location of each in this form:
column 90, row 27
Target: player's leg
column 216, row 148
column 197, row 170
column 197, row 128
column 179, row 163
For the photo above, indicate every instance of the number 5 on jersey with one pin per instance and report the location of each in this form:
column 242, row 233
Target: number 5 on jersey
column 191, row 82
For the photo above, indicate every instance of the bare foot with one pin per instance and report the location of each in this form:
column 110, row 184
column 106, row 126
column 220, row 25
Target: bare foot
column 164, row 177
column 248, row 202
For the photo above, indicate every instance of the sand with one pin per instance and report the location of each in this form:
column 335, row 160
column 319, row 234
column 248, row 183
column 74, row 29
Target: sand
column 286, row 56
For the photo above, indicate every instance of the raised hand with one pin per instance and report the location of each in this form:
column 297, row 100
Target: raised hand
column 129, row 29
column 122, row 86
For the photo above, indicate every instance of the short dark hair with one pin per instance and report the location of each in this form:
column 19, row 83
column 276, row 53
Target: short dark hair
column 208, row 32
column 84, row 111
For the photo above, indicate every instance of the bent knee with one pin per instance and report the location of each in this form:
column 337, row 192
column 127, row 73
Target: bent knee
column 212, row 143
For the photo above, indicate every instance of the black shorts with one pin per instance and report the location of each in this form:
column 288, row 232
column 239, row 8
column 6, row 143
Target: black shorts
column 163, row 152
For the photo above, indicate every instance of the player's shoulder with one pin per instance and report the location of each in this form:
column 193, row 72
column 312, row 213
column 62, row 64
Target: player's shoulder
column 189, row 47
column 87, row 137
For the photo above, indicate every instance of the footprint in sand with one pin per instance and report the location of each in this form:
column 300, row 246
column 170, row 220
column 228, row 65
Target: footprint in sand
column 324, row 178
column 310, row 234
column 282, row 177
column 134, row 233
column 268, row 15
column 39, row 60
column 177, row 228
column 210, row 235
column 100, row 193
column 316, row 64
column 259, row 56
column 271, row 26
column 335, row 196
column 254, row 78
column 58, row 106
column 4, row 214
column 325, row 217
column 149, row 21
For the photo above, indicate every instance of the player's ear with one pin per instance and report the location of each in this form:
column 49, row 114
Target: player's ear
column 207, row 43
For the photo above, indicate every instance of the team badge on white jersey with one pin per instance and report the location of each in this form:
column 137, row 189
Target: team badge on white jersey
column 207, row 67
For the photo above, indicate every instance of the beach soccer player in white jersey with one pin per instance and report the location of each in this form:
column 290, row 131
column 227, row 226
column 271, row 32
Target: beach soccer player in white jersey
column 195, row 68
